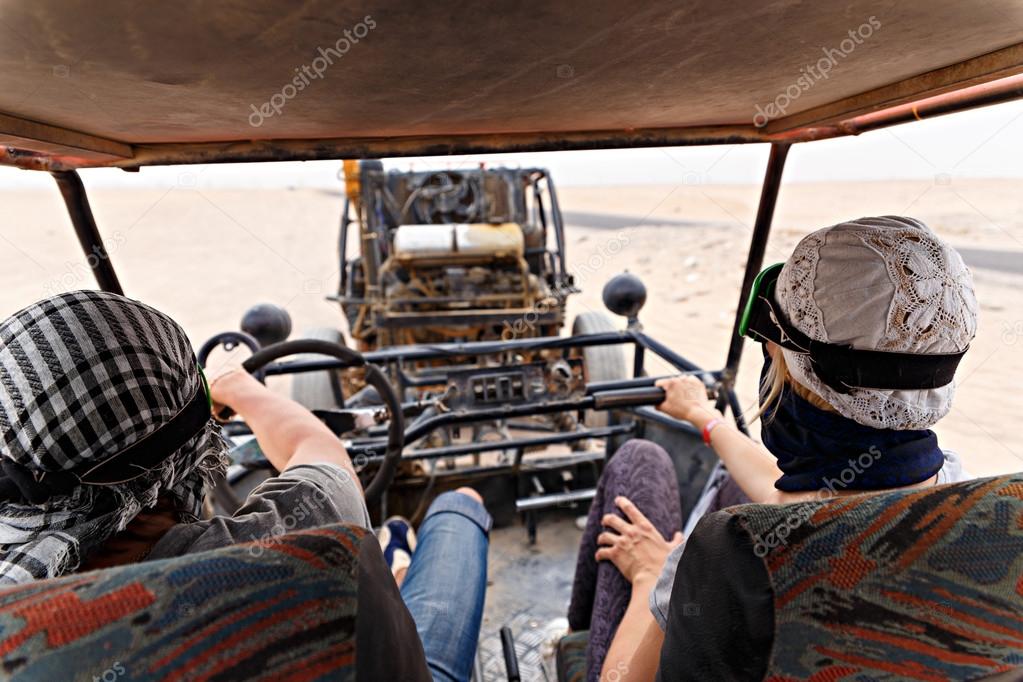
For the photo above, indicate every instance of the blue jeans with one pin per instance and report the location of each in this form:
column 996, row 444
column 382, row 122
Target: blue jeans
column 446, row 584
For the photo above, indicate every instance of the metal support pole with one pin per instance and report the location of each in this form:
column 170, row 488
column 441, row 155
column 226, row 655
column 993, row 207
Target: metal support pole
column 342, row 246
column 73, row 191
column 639, row 354
column 755, row 259
column 559, row 228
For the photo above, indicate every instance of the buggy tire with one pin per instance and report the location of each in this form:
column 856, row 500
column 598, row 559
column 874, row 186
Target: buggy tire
column 600, row 363
column 318, row 390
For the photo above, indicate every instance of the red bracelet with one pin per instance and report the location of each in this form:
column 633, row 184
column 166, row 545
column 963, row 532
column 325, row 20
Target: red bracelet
column 708, row 427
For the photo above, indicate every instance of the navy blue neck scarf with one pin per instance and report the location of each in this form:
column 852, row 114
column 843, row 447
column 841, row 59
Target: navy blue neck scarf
column 817, row 449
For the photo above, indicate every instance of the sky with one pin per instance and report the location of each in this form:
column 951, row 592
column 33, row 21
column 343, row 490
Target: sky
column 983, row 143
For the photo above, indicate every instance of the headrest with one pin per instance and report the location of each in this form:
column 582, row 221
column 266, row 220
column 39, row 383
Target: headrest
column 264, row 610
column 867, row 586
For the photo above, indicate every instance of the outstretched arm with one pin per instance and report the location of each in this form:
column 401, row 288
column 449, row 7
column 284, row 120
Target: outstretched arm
column 752, row 466
column 288, row 433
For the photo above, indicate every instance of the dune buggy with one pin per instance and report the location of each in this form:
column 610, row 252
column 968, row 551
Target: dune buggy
column 449, row 260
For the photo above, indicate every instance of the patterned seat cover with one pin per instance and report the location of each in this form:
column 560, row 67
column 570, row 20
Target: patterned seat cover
column 571, row 656
column 283, row 609
column 917, row 585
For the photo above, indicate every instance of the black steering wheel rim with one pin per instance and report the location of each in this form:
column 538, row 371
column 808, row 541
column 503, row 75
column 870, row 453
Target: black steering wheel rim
column 374, row 377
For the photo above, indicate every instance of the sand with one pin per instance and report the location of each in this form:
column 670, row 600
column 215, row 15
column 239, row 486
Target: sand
column 204, row 256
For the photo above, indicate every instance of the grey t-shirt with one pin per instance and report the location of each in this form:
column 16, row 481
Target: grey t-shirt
column 951, row 472
column 387, row 646
column 305, row 496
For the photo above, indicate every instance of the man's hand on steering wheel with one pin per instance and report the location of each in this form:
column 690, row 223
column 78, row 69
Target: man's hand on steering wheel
column 288, row 433
column 228, row 386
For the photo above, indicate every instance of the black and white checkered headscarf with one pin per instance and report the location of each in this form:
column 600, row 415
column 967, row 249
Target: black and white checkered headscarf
column 102, row 409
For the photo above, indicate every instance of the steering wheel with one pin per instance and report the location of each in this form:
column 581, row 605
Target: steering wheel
column 374, row 377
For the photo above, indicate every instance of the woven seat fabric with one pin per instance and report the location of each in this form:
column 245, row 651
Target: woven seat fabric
column 571, row 656
column 924, row 584
column 283, row 609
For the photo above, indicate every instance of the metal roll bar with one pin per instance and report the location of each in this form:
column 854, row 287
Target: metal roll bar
column 78, row 209
column 754, row 261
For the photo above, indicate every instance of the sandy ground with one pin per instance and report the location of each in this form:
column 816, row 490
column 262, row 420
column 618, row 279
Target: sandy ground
column 204, row 256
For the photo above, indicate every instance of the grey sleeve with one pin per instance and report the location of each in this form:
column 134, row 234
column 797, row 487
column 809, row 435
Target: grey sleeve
column 953, row 471
column 306, row 496
column 660, row 596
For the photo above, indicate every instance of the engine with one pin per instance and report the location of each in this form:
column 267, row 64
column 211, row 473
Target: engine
column 442, row 272
column 452, row 256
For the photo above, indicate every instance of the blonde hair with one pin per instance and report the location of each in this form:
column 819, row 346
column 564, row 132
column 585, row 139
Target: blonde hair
column 774, row 381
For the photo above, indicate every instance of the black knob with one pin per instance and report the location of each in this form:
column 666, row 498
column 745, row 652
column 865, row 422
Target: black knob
column 625, row 295
column 267, row 323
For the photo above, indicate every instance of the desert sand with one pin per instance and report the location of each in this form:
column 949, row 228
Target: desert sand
column 204, row 256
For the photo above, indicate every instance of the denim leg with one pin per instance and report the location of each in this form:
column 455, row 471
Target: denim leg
column 446, row 584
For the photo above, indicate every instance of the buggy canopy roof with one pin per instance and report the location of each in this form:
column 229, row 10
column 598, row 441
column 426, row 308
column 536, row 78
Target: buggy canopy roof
column 122, row 83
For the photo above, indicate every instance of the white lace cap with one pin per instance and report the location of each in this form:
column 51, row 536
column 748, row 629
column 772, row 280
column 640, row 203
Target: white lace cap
column 884, row 283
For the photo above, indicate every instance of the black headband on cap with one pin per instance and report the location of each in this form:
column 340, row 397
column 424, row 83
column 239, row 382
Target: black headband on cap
column 841, row 366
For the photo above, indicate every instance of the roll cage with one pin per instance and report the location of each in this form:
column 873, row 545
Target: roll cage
column 603, row 75
column 658, row 76
column 643, row 421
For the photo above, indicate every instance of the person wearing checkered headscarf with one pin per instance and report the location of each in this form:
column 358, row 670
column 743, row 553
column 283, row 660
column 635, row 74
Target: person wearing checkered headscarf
column 103, row 413
column 106, row 438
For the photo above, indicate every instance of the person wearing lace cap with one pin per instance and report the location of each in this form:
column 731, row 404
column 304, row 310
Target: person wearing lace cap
column 862, row 328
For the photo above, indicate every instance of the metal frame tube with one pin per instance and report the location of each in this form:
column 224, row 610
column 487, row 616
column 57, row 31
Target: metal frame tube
column 342, row 245
column 755, row 260
column 514, row 444
column 553, row 499
column 96, row 254
column 985, row 94
column 638, row 361
column 440, row 351
column 559, row 228
column 665, row 353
